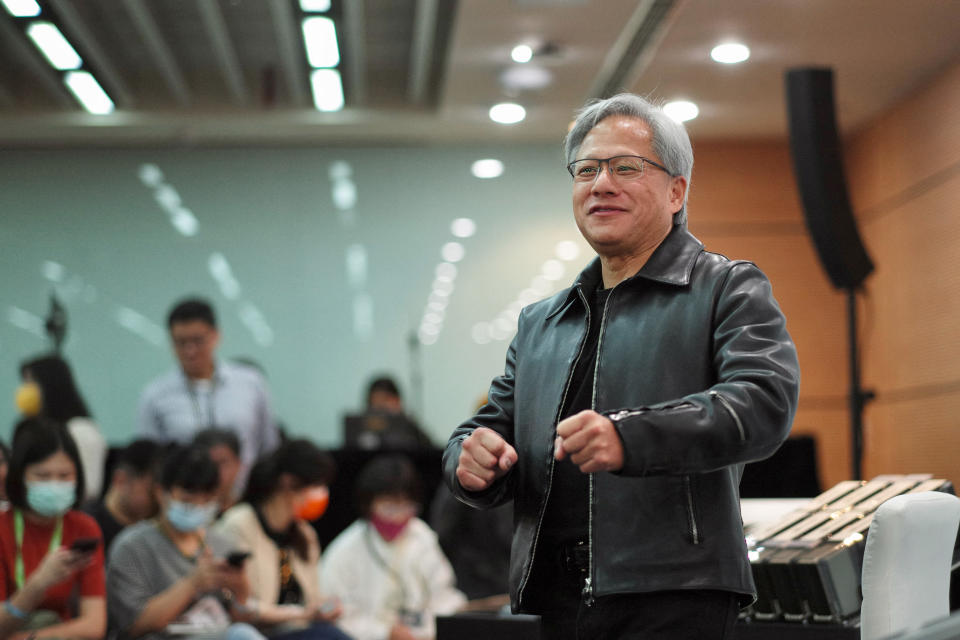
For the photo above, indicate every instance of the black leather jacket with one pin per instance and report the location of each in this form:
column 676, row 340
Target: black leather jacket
column 697, row 372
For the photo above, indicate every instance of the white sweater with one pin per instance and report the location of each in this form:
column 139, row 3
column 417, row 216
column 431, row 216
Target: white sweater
column 419, row 579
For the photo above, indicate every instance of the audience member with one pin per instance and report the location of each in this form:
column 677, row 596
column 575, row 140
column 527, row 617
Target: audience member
column 204, row 392
column 4, row 466
column 387, row 421
column 168, row 575
column 224, row 449
column 284, row 491
column 49, row 390
column 387, row 567
column 130, row 496
column 51, row 559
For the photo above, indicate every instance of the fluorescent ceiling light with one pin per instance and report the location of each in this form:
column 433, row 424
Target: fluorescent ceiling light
column 89, row 92
column 22, row 8
column 730, row 53
column 522, row 53
column 327, row 89
column 507, row 113
column 320, row 38
column 681, row 110
column 315, row 6
column 487, row 168
column 55, row 48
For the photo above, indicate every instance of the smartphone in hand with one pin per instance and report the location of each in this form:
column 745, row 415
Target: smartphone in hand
column 84, row 545
column 237, row 558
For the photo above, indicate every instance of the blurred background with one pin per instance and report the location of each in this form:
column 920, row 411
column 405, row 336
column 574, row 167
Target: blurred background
column 366, row 209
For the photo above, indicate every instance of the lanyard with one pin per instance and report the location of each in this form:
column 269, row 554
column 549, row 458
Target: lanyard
column 197, row 412
column 18, row 534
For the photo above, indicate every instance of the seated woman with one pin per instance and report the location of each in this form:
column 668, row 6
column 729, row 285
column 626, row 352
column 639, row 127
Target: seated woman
column 49, row 552
column 166, row 576
column 49, row 389
column 387, row 567
column 284, row 490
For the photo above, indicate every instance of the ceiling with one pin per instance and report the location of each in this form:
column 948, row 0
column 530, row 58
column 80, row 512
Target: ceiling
column 233, row 72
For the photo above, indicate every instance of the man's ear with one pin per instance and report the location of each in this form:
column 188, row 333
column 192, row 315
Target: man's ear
column 677, row 193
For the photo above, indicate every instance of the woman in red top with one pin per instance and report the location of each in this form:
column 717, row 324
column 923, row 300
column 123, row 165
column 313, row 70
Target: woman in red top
column 49, row 550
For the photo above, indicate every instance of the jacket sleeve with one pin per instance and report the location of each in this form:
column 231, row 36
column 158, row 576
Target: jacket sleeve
column 496, row 414
column 746, row 414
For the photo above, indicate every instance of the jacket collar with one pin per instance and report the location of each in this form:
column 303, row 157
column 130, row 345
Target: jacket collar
column 672, row 263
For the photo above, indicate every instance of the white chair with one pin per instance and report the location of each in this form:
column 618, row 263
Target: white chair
column 906, row 563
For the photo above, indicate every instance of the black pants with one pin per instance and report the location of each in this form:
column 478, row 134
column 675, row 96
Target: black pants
column 662, row 615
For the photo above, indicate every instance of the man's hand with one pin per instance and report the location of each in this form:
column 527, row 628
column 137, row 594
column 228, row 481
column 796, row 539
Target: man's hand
column 591, row 441
column 485, row 456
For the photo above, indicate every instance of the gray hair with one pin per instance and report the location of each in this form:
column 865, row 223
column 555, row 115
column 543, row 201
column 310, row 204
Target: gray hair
column 670, row 140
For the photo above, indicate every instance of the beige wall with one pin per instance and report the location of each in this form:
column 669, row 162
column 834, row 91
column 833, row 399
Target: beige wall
column 904, row 177
column 903, row 172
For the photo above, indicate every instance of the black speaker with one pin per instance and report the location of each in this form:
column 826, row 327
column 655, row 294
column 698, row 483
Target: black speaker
column 818, row 167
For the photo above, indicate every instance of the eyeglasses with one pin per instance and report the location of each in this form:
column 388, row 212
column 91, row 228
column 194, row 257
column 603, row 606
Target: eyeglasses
column 625, row 167
column 185, row 342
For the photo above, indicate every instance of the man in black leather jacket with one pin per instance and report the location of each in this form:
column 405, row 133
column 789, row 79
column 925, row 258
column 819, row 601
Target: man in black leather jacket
column 629, row 404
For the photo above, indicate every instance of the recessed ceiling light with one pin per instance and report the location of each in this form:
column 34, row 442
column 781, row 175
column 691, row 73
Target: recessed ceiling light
column 487, row 168
column 681, row 110
column 453, row 252
column 465, row 227
column 527, row 77
column 567, row 250
column 552, row 269
column 730, row 53
column 522, row 53
column 507, row 113
column 446, row 271
column 22, row 8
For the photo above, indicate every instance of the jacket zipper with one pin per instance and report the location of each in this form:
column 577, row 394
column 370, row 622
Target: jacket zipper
column 546, row 498
column 588, row 582
column 694, row 530
column 726, row 405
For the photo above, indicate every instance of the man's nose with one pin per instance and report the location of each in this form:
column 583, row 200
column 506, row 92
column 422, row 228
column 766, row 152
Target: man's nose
column 604, row 180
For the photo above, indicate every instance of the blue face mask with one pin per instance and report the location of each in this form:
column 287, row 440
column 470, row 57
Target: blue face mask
column 186, row 517
column 51, row 498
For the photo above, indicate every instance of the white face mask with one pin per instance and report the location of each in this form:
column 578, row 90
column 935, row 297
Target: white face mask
column 51, row 498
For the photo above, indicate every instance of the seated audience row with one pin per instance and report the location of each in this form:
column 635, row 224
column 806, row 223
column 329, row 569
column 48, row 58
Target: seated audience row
column 253, row 572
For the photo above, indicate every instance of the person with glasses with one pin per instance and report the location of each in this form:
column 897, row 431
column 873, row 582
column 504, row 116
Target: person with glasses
column 206, row 393
column 630, row 402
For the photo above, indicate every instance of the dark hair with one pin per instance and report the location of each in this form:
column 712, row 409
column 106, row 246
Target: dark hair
column 385, row 384
column 140, row 457
column 35, row 440
column 189, row 468
column 4, row 453
column 300, row 458
column 61, row 398
column 387, row 475
column 214, row 436
column 190, row 309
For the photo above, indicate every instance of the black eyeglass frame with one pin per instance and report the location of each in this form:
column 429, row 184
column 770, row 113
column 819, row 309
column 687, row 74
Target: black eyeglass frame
column 602, row 161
